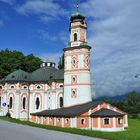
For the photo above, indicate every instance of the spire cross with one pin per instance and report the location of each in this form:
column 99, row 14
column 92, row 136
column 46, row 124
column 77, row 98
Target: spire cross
column 77, row 6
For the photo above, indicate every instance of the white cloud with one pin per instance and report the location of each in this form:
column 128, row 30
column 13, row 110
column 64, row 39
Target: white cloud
column 114, row 32
column 3, row 18
column 8, row 1
column 63, row 36
column 45, row 35
column 47, row 10
column 46, row 19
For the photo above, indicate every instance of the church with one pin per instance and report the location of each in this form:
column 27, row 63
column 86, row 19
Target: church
column 61, row 97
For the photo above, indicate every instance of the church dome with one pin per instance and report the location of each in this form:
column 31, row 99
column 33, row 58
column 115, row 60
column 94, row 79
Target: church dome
column 43, row 74
column 58, row 75
column 77, row 17
column 17, row 76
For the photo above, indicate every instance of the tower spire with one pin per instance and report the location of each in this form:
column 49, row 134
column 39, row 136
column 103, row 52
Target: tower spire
column 77, row 6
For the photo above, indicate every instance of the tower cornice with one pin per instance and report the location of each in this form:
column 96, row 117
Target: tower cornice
column 77, row 47
column 77, row 27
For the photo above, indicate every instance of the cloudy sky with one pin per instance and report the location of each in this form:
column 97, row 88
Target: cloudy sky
column 41, row 27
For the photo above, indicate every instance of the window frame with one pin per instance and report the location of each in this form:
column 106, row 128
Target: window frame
column 61, row 86
column 75, row 36
column 74, row 93
column 11, row 103
column 120, row 120
column 24, row 103
column 50, row 120
column 67, row 121
column 58, row 120
column 83, row 121
column 74, row 79
column 0, row 102
column 61, row 102
column 12, row 86
column 37, row 104
column 105, row 121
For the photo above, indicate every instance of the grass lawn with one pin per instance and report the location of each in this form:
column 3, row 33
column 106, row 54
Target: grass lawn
column 132, row 133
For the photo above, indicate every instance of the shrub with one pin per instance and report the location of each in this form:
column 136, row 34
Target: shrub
column 8, row 115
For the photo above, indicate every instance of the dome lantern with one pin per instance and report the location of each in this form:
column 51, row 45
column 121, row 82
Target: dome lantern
column 48, row 64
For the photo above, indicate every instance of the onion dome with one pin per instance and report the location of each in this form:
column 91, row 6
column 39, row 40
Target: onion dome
column 17, row 76
column 77, row 17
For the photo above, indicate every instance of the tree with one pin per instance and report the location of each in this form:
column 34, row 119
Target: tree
column 132, row 98
column 131, row 104
column 61, row 62
column 14, row 60
column 32, row 62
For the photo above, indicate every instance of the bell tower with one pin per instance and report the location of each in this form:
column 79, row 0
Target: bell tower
column 77, row 83
column 77, row 29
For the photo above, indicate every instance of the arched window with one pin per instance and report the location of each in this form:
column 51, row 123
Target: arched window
column 0, row 101
column 120, row 120
column 10, row 102
column 75, row 36
column 24, row 103
column 61, row 101
column 67, row 121
column 82, row 121
column 37, row 103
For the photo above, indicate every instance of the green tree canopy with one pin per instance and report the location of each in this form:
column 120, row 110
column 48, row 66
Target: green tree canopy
column 131, row 104
column 61, row 62
column 14, row 60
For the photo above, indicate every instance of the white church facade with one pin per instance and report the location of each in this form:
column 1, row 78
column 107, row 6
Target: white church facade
column 61, row 97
